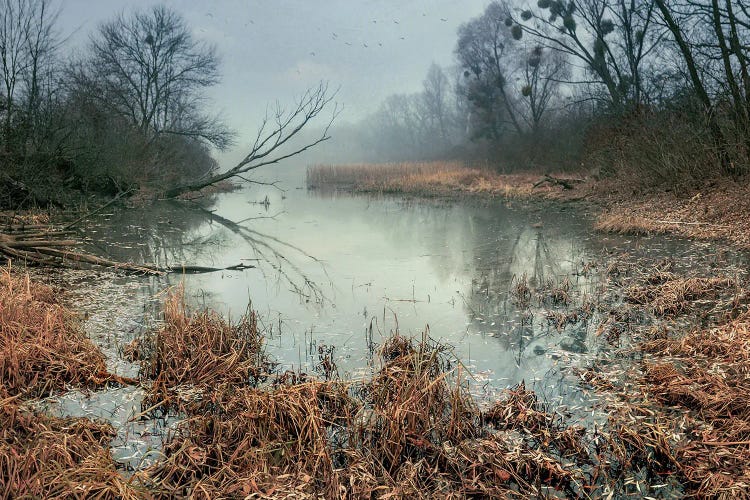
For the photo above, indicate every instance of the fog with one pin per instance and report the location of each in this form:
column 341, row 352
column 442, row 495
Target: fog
column 274, row 50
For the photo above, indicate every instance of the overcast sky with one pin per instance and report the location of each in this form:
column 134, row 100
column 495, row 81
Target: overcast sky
column 275, row 49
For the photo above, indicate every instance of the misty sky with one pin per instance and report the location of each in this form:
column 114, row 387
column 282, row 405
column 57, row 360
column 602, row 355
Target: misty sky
column 275, row 49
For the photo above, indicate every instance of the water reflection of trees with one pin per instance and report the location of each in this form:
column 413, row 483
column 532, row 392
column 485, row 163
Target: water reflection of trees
column 542, row 248
column 169, row 234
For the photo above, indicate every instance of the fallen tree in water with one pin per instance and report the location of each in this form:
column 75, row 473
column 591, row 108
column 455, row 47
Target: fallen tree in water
column 49, row 245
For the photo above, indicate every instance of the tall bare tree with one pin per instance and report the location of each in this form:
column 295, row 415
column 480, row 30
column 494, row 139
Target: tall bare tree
column 486, row 51
column 27, row 43
column 612, row 38
column 150, row 69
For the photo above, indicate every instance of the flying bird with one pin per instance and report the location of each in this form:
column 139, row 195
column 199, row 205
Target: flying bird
column 396, row 22
column 312, row 54
column 443, row 19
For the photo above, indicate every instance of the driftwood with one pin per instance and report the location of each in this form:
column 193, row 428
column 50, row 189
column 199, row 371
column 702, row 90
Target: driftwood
column 45, row 245
column 565, row 183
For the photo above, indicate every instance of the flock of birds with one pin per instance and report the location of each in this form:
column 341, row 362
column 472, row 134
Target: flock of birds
column 335, row 35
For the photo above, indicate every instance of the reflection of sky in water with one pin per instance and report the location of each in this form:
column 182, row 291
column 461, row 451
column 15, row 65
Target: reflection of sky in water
column 448, row 265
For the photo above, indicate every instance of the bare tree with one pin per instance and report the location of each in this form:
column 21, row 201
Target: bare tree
column 274, row 141
column 27, row 43
column 150, row 69
column 612, row 38
column 435, row 98
column 542, row 72
column 486, row 51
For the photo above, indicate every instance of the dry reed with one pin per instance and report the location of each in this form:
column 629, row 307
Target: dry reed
column 412, row 430
column 193, row 352
column 435, row 178
column 47, row 457
column 665, row 293
column 42, row 346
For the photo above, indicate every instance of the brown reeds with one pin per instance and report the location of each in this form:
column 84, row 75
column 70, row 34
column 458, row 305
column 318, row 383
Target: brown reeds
column 193, row 352
column 429, row 179
column 665, row 293
column 47, row 457
column 412, row 430
column 42, row 346
column 720, row 211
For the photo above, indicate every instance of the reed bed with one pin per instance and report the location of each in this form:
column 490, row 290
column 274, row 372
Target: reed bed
column 411, row 430
column 47, row 457
column 192, row 353
column 432, row 178
column 43, row 350
column 42, row 346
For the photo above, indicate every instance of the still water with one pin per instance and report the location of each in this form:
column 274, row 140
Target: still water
column 345, row 271
column 331, row 267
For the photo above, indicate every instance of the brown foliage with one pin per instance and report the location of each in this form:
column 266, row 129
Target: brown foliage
column 46, row 457
column 42, row 347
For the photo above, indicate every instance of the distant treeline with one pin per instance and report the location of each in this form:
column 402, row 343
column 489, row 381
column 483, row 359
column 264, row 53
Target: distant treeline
column 127, row 111
column 655, row 91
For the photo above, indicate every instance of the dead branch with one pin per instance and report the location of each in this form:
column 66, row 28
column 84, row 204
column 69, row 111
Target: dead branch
column 41, row 245
column 565, row 183
column 274, row 135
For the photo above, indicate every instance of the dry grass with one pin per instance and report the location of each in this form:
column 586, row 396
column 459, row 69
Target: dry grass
column 665, row 293
column 717, row 211
column 705, row 376
column 43, row 350
column 193, row 352
column 42, row 346
column 412, row 430
column 436, row 178
column 46, row 457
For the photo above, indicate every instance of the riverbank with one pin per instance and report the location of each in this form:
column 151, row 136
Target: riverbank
column 720, row 210
column 667, row 378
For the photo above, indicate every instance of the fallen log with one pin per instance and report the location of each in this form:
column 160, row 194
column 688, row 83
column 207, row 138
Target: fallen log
column 567, row 183
column 39, row 244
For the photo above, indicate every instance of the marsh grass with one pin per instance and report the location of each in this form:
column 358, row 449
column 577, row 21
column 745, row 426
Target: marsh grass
column 44, row 351
column 193, row 352
column 665, row 293
column 435, row 178
column 48, row 457
column 411, row 430
column 43, row 348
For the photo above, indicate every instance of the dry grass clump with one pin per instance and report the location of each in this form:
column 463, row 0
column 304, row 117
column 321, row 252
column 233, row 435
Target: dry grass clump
column 241, row 441
column 42, row 347
column 665, row 293
column 46, row 457
column 555, row 293
column 195, row 351
column 623, row 223
column 520, row 290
